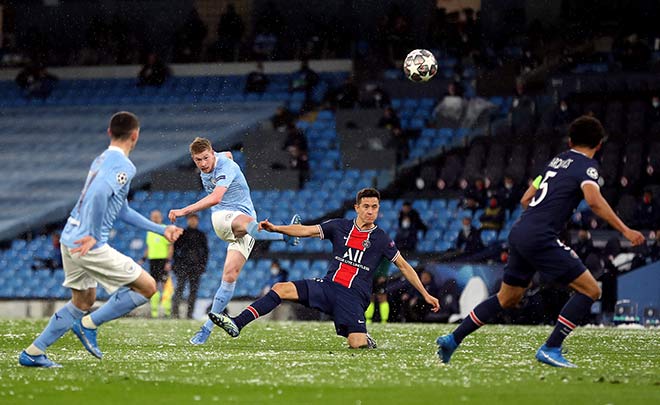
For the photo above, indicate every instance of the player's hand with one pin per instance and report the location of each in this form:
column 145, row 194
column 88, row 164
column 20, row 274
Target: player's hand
column 174, row 214
column 84, row 245
column 172, row 233
column 266, row 226
column 431, row 300
column 635, row 237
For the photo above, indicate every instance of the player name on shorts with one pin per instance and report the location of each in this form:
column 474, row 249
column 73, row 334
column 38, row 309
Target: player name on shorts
column 558, row 163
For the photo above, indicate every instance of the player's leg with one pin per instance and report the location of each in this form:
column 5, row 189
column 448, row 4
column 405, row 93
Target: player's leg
column 60, row 323
column 243, row 225
column 560, row 263
column 237, row 255
column 261, row 307
column 517, row 276
column 157, row 271
column 194, row 279
column 83, row 291
column 578, row 306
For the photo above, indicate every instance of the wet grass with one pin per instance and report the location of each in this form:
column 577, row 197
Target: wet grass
column 150, row 361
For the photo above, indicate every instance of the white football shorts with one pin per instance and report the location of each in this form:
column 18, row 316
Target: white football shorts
column 222, row 221
column 104, row 265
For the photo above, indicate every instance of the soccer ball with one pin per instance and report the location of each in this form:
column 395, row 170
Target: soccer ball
column 420, row 65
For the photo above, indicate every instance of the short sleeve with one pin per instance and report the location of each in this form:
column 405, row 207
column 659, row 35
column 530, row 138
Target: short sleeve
column 589, row 174
column 391, row 252
column 119, row 176
column 328, row 228
column 225, row 173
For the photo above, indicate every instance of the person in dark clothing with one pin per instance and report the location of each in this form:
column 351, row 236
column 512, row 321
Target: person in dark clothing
column 389, row 120
column 469, row 238
column 647, row 215
column 154, row 73
column 230, row 32
column 189, row 39
column 409, row 224
column 36, row 81
column 53, row 261
column 281, row 119
column 346, row 96
column 509, row 194
column 584, row 245
column 493, row 216
column 257, row 81
column 304, row 80
column 191, row 253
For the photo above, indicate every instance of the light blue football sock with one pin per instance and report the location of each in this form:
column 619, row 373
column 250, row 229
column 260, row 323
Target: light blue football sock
column 221, row 299
column 252, row 229
column 119, row 304
column 59, row 324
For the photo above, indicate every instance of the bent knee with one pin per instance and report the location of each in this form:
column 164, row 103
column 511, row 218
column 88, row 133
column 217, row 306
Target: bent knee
column 594, row 293
column 509, row 302
column 149, row 289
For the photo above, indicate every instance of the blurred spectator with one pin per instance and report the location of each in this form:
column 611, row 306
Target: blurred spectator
column 528, row 62
column 563, row 116
column 305, row 79
column 257, row 81
column 584, row 245
column 294, row 139
column 415, row 309
column 635, row 54
column 523, row 112
column 410, row 223
column 647, row 214
column 475, row 197
column 300, row 161
column 36, row 81
column 189, row 39
column 346, row 95
column 390, row 119
column 469, row 238
column 653, row 114
column 154, row 73
column 654, row 245
column 191, row 253
column 159, row 252
column 374, row 97
column 277, row 275
column 493, row 216
column 282, row 118
column 230, row 32
column 268, row 30
column 450, row 110
column 54, row 260
column 379, row 294
column 509, row 194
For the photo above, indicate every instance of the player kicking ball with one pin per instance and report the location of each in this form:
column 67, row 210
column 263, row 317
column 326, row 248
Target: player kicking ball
column 344, row 292
column 534, row 243
column 233, row 217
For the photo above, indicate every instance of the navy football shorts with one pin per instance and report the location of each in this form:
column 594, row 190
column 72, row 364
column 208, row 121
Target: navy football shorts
column 345, row 306
column 551, row 258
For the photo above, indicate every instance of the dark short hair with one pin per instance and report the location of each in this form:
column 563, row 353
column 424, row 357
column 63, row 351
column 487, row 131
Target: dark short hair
column 586, row 131
column 408, row 203
column 193, row 215
column 122, row 124
column 366, row 193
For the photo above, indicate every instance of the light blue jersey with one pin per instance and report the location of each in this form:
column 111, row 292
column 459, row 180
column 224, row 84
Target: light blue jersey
column 228, row 174
column 103, row 200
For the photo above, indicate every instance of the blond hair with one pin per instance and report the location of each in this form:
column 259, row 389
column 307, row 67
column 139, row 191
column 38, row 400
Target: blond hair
column 200, row 145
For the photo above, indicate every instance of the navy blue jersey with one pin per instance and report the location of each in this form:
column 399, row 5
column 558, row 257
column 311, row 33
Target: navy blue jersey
column 559, row 193
column 357, row 254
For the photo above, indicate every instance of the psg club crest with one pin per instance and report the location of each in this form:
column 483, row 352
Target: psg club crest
column 366, row 244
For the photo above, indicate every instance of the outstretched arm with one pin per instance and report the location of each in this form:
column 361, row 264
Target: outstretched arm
column 410, row 275
column 207, row 202
column 303, row 231
column 132, row 217
column 600, row 207
column 529, row 194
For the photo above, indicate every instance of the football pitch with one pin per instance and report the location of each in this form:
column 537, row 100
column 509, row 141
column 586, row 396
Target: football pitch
column 151, row 361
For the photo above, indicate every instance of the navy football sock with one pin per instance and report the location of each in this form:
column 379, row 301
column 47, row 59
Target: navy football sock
column 575, row 309
column 481, row 314
column 260, row 307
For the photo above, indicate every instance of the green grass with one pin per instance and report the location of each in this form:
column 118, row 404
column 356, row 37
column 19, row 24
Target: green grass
column 282, row 362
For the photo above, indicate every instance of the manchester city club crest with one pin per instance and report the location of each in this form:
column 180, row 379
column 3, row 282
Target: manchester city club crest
column 366, row 244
